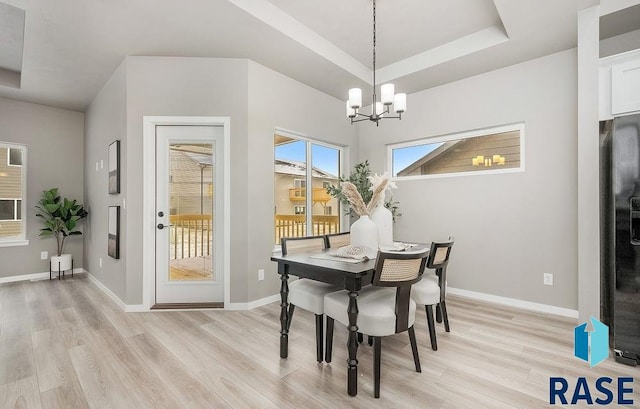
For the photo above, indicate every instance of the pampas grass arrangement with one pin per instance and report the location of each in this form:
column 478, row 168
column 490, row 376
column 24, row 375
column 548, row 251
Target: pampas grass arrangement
column 379, row 184
column 378, row 194
column 366, row 184
column 355, row 199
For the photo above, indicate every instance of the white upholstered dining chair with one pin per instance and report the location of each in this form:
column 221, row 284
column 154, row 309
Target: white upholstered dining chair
column 432, row 289
column 385, row 308
column 308, row 294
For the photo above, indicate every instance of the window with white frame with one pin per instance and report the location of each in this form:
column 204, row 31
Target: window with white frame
column 12, row 194
column 303, row 168
column 10, row 209
column 14, row 158
column 496, row 149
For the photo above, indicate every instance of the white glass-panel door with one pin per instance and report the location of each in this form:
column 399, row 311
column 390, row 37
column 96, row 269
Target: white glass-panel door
column 189, row 214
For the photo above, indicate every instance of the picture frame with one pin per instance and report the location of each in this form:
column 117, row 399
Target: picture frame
column 114, row 167
column 113, row 246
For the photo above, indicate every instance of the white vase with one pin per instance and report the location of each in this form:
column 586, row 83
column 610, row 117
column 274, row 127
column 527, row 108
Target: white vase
column 61, row 262
column 383, row 219
column 364, row 233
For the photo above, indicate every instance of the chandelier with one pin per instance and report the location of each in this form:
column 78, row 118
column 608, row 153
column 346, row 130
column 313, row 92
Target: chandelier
column 379, row 109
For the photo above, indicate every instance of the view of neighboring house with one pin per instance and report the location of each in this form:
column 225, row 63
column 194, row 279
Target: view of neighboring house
column 291, row 189
column 499, row 150
column 190, row 180
column 290, row 199
column 10, row 192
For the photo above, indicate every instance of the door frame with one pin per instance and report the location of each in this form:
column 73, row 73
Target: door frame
column 149, row 199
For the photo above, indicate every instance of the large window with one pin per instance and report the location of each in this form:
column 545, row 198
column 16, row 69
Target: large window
column 498, row 149
column 299, row 163
column 12, row 194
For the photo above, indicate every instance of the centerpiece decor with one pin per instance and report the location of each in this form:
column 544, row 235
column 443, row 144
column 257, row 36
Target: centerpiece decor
column 361, row 179
column 365, row 232
column 379, row 214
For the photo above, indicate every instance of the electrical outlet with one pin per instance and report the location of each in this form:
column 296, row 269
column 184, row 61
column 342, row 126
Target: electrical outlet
column 97, row 166
column 548, row 279
column 100, row 262
column 44, row 255
column 261, row 274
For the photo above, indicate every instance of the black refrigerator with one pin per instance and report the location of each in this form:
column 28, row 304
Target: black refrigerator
column 620, row 234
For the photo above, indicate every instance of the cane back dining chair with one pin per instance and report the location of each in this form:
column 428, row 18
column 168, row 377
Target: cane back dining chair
column 432, row 289
column 385, row 308
column 308, row 294
column 337, row 240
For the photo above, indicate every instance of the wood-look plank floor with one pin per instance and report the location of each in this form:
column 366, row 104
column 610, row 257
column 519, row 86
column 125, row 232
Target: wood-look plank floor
column 64, row 344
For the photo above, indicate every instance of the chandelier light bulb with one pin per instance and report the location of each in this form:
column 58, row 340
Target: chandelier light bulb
column 400, row 103
column 355, row 98
column 386, row 94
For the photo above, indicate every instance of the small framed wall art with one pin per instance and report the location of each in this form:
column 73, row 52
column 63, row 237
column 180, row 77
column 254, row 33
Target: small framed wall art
column 114, row 232
column 114, row 167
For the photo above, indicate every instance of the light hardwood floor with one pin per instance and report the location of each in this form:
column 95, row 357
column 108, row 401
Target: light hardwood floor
column 64, row 344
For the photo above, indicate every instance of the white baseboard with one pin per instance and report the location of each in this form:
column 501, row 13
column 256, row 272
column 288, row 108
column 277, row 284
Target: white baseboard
column 236, row 306
column 512, row 302
column 124, row 307
column 135, row 308
column 107, row 292
column 37, row 276
column 142, row 308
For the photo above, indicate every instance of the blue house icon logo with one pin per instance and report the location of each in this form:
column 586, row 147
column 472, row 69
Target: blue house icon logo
column 591, row 345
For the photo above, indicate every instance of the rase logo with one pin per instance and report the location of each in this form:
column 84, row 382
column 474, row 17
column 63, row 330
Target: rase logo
column 592, row 347
column 598, row 340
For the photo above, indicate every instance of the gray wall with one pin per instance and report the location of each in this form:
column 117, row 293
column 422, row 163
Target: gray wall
column 509, row 228
column 240, row 89
column 105, row 122
column 54, row 139
column 278, row 101
column 194, row 87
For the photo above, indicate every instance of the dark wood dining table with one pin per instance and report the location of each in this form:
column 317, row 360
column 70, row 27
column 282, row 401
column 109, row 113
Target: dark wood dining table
column 348, row 275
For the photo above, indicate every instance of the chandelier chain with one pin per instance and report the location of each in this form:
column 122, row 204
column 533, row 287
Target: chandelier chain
column 382, row 109
column 374, row 55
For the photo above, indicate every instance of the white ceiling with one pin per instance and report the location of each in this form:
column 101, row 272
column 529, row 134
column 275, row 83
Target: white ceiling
column 72, row 47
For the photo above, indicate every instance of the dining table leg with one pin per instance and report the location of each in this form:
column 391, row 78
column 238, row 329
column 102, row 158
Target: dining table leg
column 284, row 311
column 352, row 345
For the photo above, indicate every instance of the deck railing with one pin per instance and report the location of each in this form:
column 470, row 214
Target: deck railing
column 290, row 225
column 191, row 235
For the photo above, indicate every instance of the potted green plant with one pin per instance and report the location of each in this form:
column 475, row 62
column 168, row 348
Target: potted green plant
column 60, row 217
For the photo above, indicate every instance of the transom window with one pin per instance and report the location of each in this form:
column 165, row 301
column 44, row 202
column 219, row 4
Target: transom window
column 497, row 149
